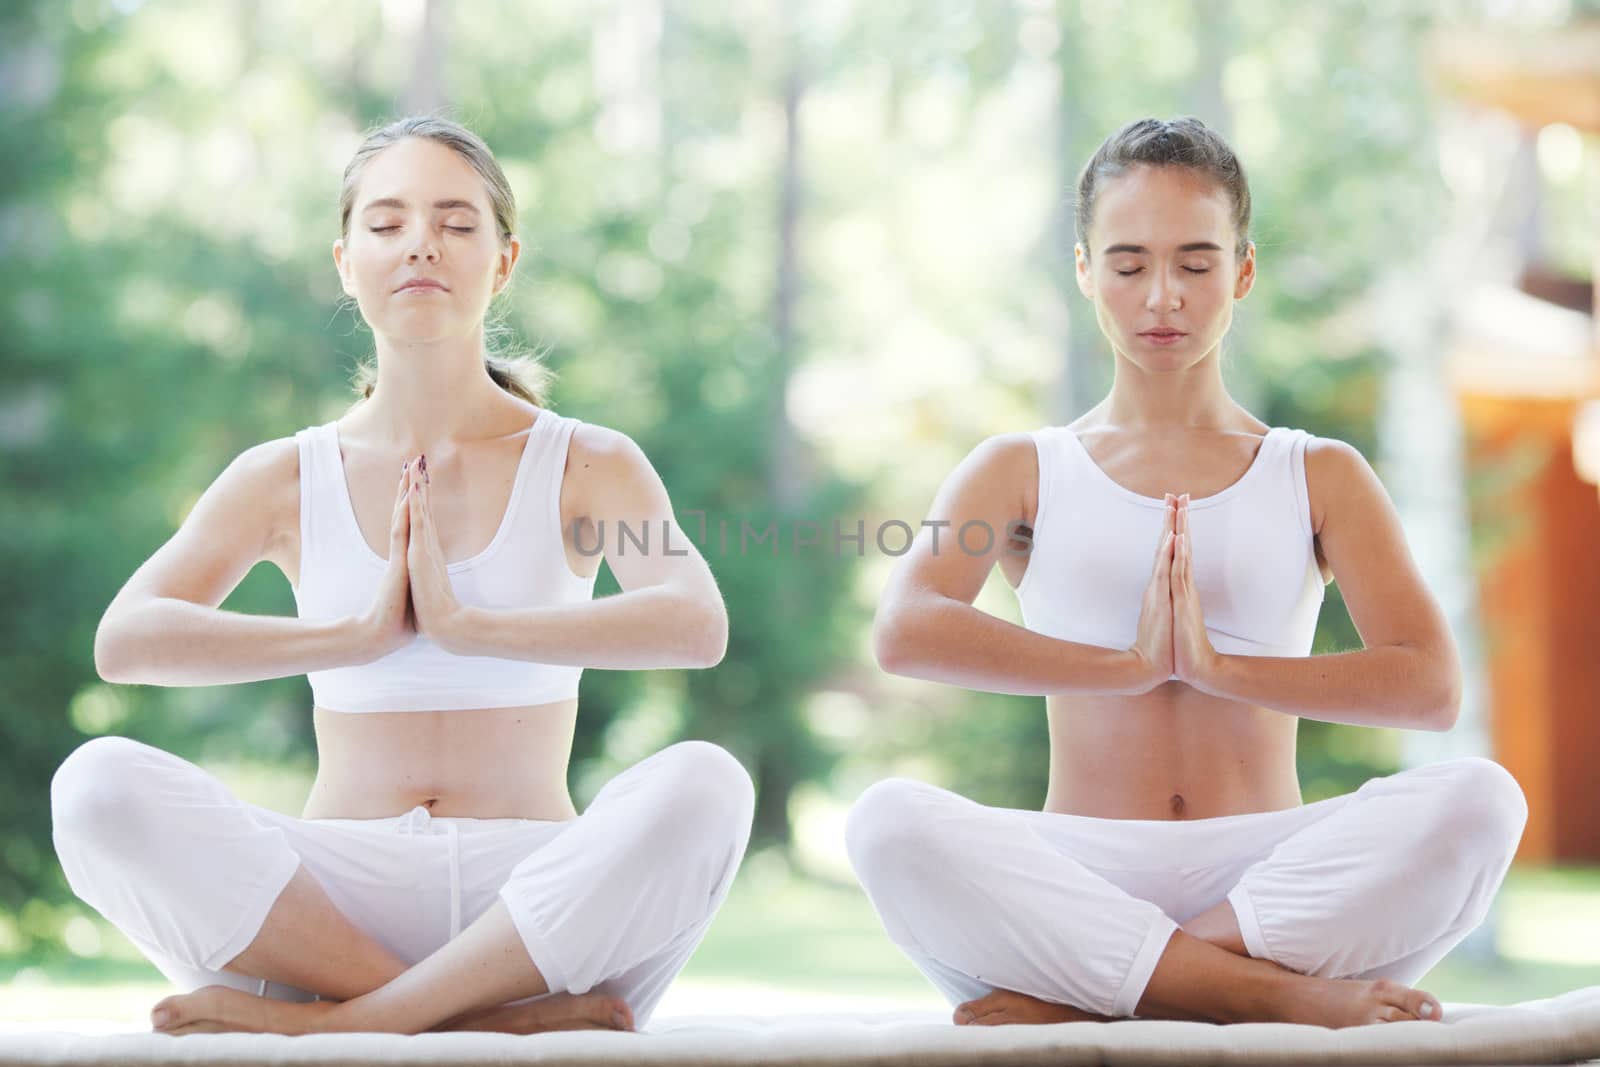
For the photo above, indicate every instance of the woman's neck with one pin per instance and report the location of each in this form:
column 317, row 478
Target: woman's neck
column 429, row 395
column 1193, row 398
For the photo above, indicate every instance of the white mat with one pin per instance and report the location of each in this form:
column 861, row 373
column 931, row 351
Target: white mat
column 1563, row 1029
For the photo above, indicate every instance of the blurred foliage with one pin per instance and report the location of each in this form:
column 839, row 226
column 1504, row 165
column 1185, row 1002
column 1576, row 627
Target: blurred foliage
column 171, row 173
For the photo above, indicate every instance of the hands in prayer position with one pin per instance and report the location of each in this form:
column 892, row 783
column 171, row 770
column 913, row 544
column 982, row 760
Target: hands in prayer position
column 414, row 595
column 1172, row 629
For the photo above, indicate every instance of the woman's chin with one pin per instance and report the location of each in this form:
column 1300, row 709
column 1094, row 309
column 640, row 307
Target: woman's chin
column 1180, row 355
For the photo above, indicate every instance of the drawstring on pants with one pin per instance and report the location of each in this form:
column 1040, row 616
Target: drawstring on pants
column 455, row 879
column 417, row 820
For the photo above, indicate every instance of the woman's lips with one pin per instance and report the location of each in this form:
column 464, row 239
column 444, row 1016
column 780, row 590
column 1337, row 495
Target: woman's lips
column 1163, row 337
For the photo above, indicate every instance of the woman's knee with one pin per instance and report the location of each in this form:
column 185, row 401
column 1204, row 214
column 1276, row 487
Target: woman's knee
column 890, row 826
column 1484, row 807
column 97, row 789
column 706, row 792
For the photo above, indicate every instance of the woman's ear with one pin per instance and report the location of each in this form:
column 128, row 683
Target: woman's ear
column 1085, row 279
column 1247, row 272
column 509, row 254
column 338, row 263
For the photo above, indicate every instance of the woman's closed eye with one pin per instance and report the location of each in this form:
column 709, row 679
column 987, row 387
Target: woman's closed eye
column 391, row 229
column 1191, row 270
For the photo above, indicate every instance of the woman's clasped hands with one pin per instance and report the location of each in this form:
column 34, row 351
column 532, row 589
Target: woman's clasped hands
column 1171, row 638
column 414, row 595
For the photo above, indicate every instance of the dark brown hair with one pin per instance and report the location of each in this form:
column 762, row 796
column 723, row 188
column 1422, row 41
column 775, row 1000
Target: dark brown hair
column 519, row 372
column 1181, row 142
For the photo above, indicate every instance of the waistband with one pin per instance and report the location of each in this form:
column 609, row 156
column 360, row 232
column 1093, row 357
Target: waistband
column 419, row 820
column 1167, row 844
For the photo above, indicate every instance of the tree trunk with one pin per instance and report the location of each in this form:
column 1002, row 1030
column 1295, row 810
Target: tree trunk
column 774, row 778
column 1078, row 383
column 425, row 91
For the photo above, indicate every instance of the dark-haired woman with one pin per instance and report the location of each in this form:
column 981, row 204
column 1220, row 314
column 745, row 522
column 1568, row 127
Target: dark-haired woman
column 1170, row 565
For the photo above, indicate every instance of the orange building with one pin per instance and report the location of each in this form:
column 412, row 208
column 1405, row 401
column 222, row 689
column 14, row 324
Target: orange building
column 1525, row 370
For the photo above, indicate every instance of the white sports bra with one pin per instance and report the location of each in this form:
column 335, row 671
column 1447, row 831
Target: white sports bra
column 1094, row 547
column 524, row 565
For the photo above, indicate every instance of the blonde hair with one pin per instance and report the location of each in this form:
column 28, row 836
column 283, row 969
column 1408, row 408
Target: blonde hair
column 517, row 370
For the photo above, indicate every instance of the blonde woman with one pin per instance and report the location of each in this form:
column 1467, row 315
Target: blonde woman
column 439, row 876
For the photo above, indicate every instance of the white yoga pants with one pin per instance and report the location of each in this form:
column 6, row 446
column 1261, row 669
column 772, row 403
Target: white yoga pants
column 614, row 900
column 1379, row 883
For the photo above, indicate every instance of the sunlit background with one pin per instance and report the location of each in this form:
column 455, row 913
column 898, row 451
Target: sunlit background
column 808, row 255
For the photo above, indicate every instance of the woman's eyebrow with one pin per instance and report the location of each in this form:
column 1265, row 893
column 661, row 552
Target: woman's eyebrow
column 442, row 205
column 1192, row 246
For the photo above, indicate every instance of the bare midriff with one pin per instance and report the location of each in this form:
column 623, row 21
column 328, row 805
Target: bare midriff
column 488, row 763
column 1171, row 753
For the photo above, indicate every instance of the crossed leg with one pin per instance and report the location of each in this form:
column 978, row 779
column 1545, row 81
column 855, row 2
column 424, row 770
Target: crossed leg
column 1206, row 975
column 308, row 943
column 989, row 902
column 613, row 903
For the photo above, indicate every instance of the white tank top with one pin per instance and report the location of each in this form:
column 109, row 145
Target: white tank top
column 1094, row 547
column 524, row 565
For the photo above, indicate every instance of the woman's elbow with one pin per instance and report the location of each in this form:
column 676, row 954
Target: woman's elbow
column 1442, row 699
column 1445, row 710
column 890, row 646
column 710, row 635
column 106, row 652
column 717, row 643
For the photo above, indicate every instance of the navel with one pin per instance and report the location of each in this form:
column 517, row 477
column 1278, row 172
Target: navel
column 1176, row 804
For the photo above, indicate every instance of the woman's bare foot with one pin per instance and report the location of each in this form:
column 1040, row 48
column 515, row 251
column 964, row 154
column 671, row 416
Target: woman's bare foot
column 1197, row 980
column 1340, row 1002
column 563, row 1011
column 220, row 1009
column 1003, row 1006
column 217, row 1009
column 1328, row 1002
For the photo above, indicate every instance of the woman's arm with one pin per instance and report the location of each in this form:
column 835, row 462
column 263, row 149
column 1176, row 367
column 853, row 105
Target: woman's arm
column 669, row 612
column 926, row 626
column 164, row 628
column 1408, row 673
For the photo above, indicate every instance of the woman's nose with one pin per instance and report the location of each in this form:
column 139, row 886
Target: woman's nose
column 422, row 249
column 1163, row 296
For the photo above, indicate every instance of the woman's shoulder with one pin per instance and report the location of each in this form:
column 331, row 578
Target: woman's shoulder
column 1332, row 459
column 1003, row 468
column 269, row 468
column 1336, row 471
column 267, row 475
column 604, row 460
column 1005, row 457
column 596, row 444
